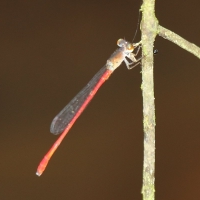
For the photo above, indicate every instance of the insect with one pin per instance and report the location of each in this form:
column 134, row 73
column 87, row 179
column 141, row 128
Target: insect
column 63, row 122
column 155, row 51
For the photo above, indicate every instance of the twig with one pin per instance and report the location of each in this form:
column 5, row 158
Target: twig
column 173, row 37
column 149, row 26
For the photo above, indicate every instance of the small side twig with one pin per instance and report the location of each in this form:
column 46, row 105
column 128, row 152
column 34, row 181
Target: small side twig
column 176, row 39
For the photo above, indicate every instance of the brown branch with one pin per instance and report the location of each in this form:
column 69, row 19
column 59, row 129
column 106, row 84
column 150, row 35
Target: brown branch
column 173, row 37
column 149, row 26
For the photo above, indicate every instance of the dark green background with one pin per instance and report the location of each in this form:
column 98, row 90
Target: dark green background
column 49, row 50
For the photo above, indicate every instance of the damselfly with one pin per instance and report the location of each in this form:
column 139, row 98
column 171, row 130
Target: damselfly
column 70, row 113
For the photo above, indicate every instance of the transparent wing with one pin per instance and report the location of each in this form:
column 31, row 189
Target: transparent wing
column 63, row 118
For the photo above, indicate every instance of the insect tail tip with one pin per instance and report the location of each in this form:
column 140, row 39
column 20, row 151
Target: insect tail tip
column 38, row 174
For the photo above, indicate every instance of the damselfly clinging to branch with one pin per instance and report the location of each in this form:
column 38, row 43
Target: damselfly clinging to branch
column 70, row 113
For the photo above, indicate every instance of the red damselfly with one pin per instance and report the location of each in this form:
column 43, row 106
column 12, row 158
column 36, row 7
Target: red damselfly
column 70, row 113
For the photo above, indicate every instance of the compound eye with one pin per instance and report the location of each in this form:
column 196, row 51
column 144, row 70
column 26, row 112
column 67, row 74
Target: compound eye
column 121, row 42
column 130, row 47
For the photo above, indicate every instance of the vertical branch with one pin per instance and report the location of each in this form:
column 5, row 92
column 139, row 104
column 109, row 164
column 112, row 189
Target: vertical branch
column 149, row 26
